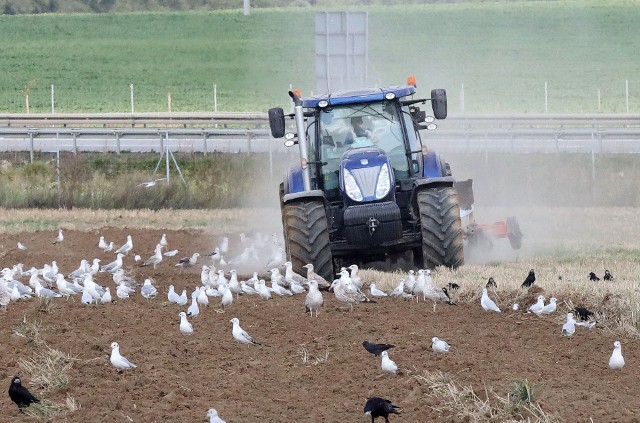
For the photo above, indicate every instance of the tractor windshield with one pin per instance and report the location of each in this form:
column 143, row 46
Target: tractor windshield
column 360, row 125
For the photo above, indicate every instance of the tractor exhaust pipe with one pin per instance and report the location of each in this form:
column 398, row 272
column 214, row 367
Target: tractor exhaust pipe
column 302, row 141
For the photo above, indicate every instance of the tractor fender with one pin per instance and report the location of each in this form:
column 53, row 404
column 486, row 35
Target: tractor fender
column 432, row 167
column 426, row 183
column 315, row 194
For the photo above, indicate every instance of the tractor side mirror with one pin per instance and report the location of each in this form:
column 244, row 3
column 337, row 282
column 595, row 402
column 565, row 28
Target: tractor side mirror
column 276, row 122
column 439, row 103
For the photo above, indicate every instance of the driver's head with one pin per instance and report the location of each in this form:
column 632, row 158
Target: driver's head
column 356, row 121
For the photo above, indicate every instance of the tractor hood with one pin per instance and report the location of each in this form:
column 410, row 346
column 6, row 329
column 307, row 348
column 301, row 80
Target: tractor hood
column 366, row 175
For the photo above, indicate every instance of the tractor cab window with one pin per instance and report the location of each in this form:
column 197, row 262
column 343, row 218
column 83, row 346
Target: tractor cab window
column 351, row 126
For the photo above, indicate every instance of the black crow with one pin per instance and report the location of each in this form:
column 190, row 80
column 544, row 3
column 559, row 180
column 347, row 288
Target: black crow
column 593, row 277
column 491, row 283
column 608, row 276
column 446, row 292
column 20, row 395
column 583, row 313
column 453, row 286
column 376, row 349
column 379, row 407
column 531, row 278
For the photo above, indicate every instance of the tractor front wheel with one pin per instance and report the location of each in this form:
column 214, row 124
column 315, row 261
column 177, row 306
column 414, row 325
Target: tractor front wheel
column 307, row 236
column 442, row 236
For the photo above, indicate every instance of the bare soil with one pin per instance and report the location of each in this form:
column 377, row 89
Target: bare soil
column 180, row 377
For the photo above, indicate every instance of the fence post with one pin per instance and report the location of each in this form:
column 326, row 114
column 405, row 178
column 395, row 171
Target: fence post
column 75, row 143
column 58, row 167
column 26, row 102
column 599, row 102
column 117, row 142
column 31, row 145
column 204, row 143
column 169, row 101
column 53, row 102
column 626, row 91
column 215, row 97
column 131, row 92
column 546, row 98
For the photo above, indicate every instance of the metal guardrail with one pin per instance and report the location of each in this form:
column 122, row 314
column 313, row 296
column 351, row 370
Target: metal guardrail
column 257, row 119
column 208, row 132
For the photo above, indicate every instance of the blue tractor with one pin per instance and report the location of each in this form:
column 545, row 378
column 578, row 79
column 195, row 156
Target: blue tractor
column 366, row 189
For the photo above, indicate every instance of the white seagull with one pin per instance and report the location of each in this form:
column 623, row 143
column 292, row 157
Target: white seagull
column 185, row 327
column 114, row 265
column 102, row 244
column 60, row 237
column 126, row 247
column 439, row 346
column 213, row 416
column 538, row 306
column 487, row 303
column 376, row 292
column 388, row 365
column 549, row 308
column 118, row 361
column 148, row 290
column 569, row 328
column 314, row 299
column 21, row 246
column 240, row 334
column 617, row 360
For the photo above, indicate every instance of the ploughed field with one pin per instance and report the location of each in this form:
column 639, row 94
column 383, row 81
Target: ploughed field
column 306, row 369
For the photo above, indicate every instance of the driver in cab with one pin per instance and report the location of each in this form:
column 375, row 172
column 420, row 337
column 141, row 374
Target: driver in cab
column 359, row 136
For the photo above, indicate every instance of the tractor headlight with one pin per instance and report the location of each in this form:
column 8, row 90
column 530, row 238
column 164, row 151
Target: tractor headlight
column 351, row 187
column 384, row 182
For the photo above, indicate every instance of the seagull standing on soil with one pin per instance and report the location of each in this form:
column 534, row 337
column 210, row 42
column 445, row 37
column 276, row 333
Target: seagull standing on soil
column 59, row 238
column 148, row 290
column 102, row 244
column 375, row 292
column 240, row 334
column 155, row 259
column 213, row 416
column 126, row 247
column 617, row 360
column 193, row 309
column 21, row 246
column 439, row 346
column 114, row 265
column 379, row 407
column 538, row 306
column 163, row 240
column 185, row 327
column 569, row 328
column 487, row 303
column 399, row 289
column 188, row 261
column 388, row 365
column 314, row 299
column 118, row 361
column 311, row 274
column 549, row 308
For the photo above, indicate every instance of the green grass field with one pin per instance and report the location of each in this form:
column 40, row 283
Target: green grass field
column 502, row 52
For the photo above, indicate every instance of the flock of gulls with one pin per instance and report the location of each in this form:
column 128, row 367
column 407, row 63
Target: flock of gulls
column 220, row 286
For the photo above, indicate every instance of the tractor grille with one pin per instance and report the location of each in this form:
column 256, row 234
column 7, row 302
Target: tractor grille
column 366, row 178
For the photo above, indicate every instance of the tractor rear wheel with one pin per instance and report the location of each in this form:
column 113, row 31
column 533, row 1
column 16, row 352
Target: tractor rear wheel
column 442, row 236
column 307, row 236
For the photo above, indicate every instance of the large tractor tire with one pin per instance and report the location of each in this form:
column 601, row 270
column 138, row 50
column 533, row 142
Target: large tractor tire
column 307, row 236
column 442, row 237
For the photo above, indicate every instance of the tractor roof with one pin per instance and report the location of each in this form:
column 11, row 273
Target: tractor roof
column 361, row 96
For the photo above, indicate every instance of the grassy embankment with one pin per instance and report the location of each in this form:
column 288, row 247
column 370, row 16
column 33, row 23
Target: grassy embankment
column 502, row 52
